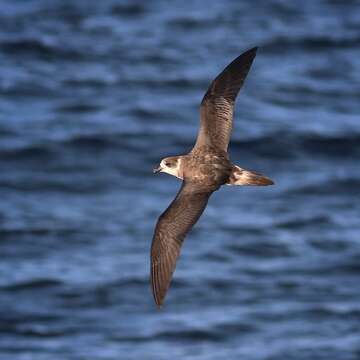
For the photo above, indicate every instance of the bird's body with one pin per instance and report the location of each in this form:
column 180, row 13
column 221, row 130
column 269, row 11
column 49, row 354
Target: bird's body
column 207, row 166
column 204, row 170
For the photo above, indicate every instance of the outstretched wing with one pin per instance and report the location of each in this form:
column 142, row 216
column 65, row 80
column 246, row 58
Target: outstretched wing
column 170, row 232
column 217, row 106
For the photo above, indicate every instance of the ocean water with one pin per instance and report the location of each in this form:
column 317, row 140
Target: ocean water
column 92, row 95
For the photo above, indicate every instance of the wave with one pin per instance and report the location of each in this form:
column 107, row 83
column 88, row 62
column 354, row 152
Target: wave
column 277, row 145
column 93, row 141
column 316, row 43
column 261, row 249
column 23, row 47
column 28, row 152
column 79, row 108
column 50, row 148
column 191, row 335
column 178, row 336
column 36, row 231
column 284, row 146
column 130, row 10
column 172, row 83
column 72, row 185
column 215, row 333
column 33, row 284
column 301, row 223
column 187, row 22
column 323, row 312
column 347, row 186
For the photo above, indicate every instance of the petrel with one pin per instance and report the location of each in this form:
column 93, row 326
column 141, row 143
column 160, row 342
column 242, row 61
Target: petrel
column 203, row 171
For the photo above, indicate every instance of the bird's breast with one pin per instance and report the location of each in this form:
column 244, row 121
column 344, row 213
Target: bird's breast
column 211, row 170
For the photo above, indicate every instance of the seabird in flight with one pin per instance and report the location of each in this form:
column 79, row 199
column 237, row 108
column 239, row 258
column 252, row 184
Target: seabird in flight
column 203, row 171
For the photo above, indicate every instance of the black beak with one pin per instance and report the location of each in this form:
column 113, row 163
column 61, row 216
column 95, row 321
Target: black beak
column 156, row 170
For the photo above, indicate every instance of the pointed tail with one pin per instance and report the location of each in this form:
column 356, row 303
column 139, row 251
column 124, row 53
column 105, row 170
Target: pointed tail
column 241, row 176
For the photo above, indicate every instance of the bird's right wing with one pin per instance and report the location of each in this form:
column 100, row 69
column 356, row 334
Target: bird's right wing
column 170, row 231
column 217, row 106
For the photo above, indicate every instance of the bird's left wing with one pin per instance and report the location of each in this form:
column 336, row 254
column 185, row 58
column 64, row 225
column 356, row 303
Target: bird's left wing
column 170, row 232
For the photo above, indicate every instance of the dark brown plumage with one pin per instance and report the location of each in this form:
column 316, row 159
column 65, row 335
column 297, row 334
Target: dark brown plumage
column 217, row 106
column 203, row 171
column 186, row 209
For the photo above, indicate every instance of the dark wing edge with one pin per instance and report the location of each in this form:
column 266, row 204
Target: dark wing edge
column 217, row 105
column 170, row 231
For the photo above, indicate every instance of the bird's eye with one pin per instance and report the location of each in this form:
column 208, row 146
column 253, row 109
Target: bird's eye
column 167, row 164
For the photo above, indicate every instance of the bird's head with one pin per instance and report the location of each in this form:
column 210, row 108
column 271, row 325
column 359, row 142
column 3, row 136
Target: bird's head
column 170, row 165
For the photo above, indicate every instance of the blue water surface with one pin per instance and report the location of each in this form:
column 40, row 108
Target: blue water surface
column 92, row 95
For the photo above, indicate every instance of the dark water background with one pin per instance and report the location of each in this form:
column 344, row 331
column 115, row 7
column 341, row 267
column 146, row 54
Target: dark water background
column 92, row 95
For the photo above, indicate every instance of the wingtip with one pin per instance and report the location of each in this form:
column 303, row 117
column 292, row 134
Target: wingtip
column 248, row 55
column 159, row 303
column 159, row 300
column 253, row 50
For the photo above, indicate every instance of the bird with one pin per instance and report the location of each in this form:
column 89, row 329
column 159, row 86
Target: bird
column 203, row 170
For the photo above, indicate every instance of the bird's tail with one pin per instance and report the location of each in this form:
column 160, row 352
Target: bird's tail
column 241, row 176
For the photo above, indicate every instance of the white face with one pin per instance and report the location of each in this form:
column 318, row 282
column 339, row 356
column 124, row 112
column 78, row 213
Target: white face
column 174, row 170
